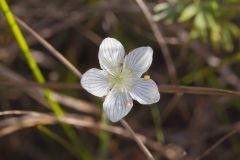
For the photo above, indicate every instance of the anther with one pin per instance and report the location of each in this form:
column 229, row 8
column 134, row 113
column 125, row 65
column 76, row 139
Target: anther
column 129, row 104
column 146, row 77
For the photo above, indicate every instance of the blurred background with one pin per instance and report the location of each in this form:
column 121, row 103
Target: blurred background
column 202, row 38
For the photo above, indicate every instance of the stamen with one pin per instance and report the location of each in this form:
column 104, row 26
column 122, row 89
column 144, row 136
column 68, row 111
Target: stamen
column 123, row 81
column 146, row 77
column 129, row 104
column 119, row 78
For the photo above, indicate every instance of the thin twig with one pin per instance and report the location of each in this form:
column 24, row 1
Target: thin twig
column 139, row 142
column 19, row 112
column 196, row 90
column 221, row 140
column 51, row 49
column 50, row 85
column 160, row 39
column 162, row 88
column 171, row 105
column 32, row 119
column 37, row 93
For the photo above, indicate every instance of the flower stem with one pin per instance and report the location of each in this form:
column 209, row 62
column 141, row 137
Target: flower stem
column 138, row 141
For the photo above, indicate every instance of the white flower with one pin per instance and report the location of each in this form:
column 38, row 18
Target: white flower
column 120, row 78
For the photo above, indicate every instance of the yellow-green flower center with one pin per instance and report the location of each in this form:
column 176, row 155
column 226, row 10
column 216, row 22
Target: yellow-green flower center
column 119, row 78
column 123, row 81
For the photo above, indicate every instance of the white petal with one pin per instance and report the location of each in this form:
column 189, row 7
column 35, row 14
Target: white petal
column 110, row 55
column 139, row 60
column 96, row 82
column 145, row 91
column 117, row 105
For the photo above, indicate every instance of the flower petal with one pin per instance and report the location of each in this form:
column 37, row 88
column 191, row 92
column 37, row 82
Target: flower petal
column 96, row 82
column 110, row 55
column 145, row 91
column 139, row 60
column 117, row 105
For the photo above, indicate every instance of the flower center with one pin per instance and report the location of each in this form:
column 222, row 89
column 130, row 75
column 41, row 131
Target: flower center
column 119, row 78
column 124, row 80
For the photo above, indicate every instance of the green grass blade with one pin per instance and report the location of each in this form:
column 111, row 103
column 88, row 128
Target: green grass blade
column 36, row 71
column 63, row 142
column 104, row 140
column 157, row 123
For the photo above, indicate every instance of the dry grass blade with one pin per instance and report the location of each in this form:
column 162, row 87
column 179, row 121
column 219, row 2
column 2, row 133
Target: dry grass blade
column 36, row 93
column 76, row 104
column 55, row 85
column 32, row 119
column 171, row 105
column 139, row 142
column 160, row 39
column 162, row 88
column 221, row 140
column 51, row 49
column 196, row 90
column 18, row 112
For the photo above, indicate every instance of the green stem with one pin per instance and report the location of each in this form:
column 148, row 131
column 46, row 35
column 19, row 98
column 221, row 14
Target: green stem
column 37, row 72
column 57, row 138
column 104, row 139
column 157, row 123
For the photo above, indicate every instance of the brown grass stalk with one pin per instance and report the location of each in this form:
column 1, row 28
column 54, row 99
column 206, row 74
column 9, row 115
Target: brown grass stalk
column 162, row 88
column 161, row 41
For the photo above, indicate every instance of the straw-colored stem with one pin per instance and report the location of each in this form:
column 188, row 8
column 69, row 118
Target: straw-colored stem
column 50, row 48
column 161, row 41
column 138, row 141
